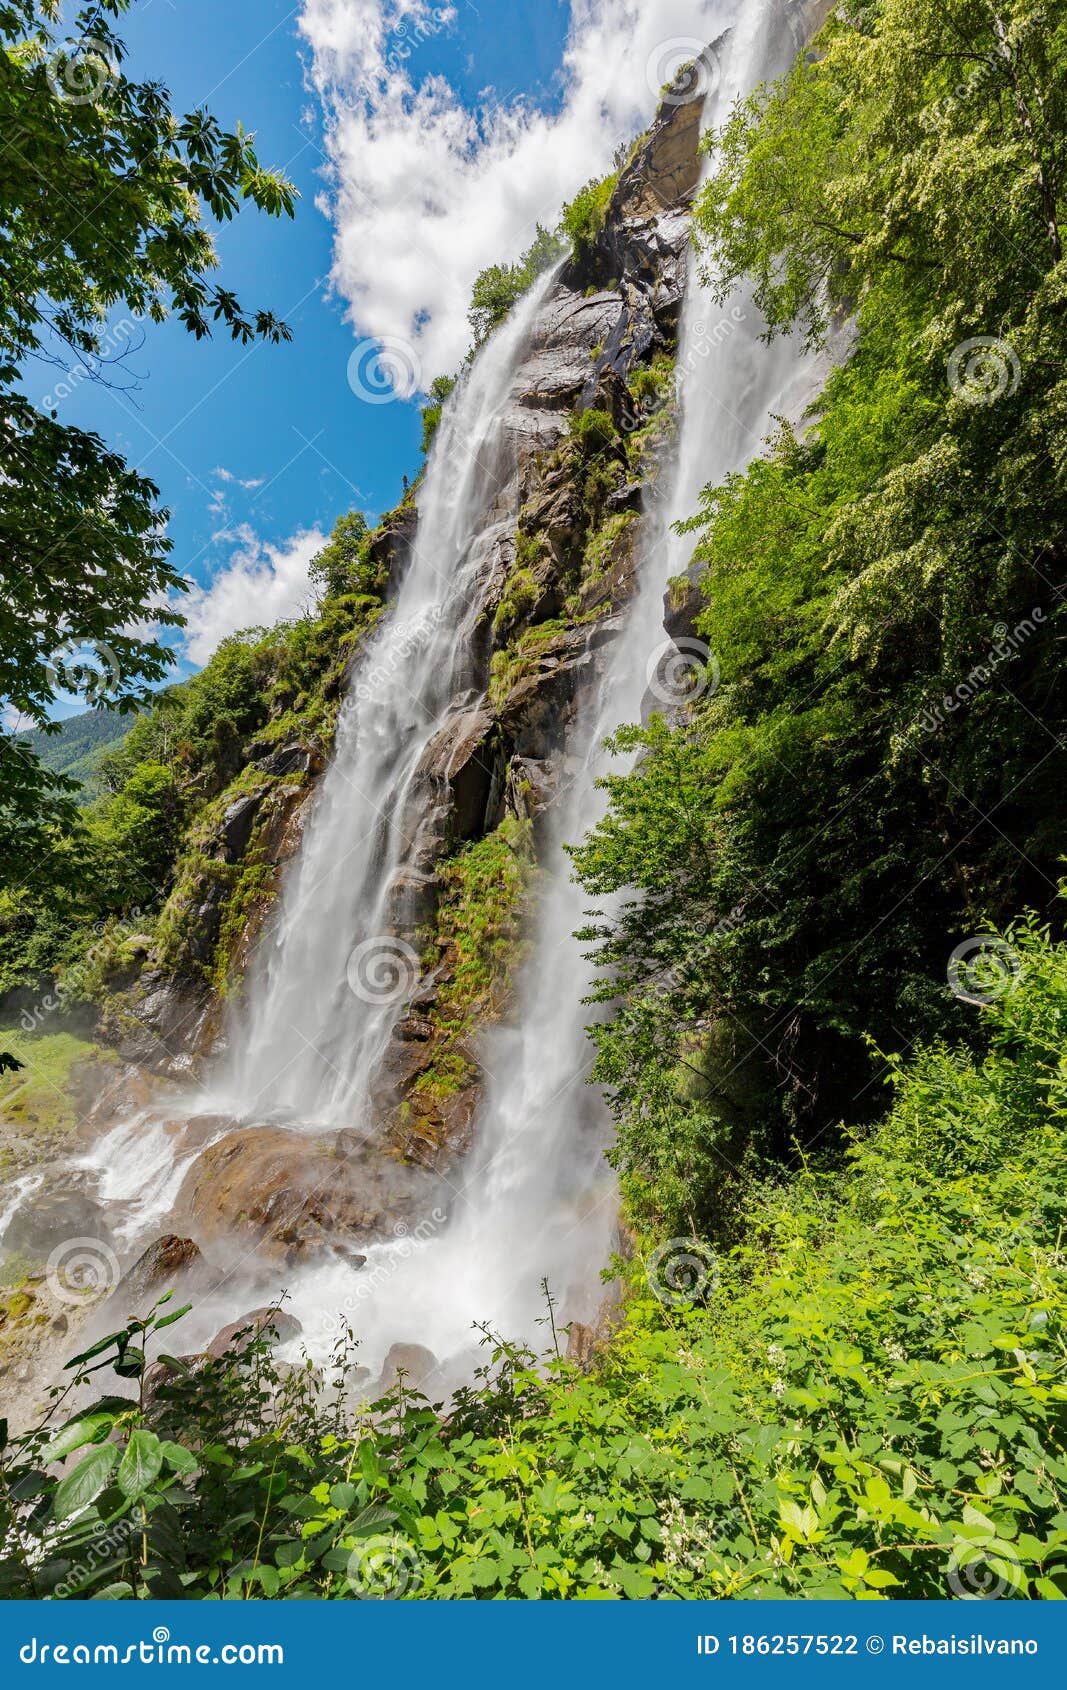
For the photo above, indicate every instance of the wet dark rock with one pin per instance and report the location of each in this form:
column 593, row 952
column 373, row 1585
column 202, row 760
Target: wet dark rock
column 558, row 369
column 458, row 767
column 531, row 782
column 628, row 497
column 238, row 822
column 287, row 1195
column 535, row 715
column 643, row 244
column 55, row 1216
column 682, row 604
column 402, row 1063
column 391, row 546
column 414, row 1029
column 159, row 1268
column 174, row 1012
column 274, row 1324
column 291, row 759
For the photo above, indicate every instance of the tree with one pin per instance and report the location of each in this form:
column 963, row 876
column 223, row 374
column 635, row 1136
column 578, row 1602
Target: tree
column 498, row 287
column 138, row 834
column 874, row 766
column 105, row 193
column 342, row 565
column 440, row 388
column 924, row 136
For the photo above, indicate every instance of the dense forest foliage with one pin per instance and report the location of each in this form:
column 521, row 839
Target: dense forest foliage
column 833, row 998
column 875, row 770
column 76, row 749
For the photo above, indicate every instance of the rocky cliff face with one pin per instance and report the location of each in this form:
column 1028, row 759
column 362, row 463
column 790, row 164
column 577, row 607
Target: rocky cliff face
column 585, row 436
column 587, row 433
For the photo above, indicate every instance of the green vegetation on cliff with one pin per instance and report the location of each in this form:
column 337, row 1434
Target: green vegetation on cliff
column 150, row 851
column 874, row 769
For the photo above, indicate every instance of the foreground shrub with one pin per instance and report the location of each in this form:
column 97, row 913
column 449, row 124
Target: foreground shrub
column 866, row 1398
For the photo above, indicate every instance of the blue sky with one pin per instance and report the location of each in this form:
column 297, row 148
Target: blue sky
column 425, row 141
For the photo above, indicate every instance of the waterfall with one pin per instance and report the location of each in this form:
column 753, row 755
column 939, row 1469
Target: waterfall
column 536, row 1198
column 332, row 977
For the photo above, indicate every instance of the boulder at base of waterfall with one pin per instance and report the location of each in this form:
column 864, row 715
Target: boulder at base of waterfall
column 159, row 1267
column 192, row 1132
column 418, row 1365
column 273, row 1324
column 53, row 1217
column 581, row 1344
column 289, row 1195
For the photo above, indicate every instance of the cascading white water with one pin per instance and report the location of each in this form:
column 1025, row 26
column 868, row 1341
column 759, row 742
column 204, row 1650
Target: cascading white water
column 321, row 1012
column 537, row 1199
column 330, row 979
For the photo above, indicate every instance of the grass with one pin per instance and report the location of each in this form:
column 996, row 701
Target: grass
column 39, row 1101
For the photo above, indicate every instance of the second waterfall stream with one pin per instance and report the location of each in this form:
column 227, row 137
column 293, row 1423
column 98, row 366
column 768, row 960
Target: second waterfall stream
column 534, row 1198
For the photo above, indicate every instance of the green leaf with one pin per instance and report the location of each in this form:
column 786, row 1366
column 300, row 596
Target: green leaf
column 131, row 1364
column 84, row 1485
column 371, row 1521
column 369, row 1464
column 98, row 1349
column 180, row 1459
column 336, row 1560
column 76, row 1434
column 141, row 1463
column 169, row 1319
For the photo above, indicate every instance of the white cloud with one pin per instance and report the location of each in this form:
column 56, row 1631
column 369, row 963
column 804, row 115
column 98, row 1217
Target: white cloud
column 228, row 475
column 425, row 192
column 262, row 584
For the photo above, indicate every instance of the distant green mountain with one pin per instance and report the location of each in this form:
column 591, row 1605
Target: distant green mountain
column 77, row 748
